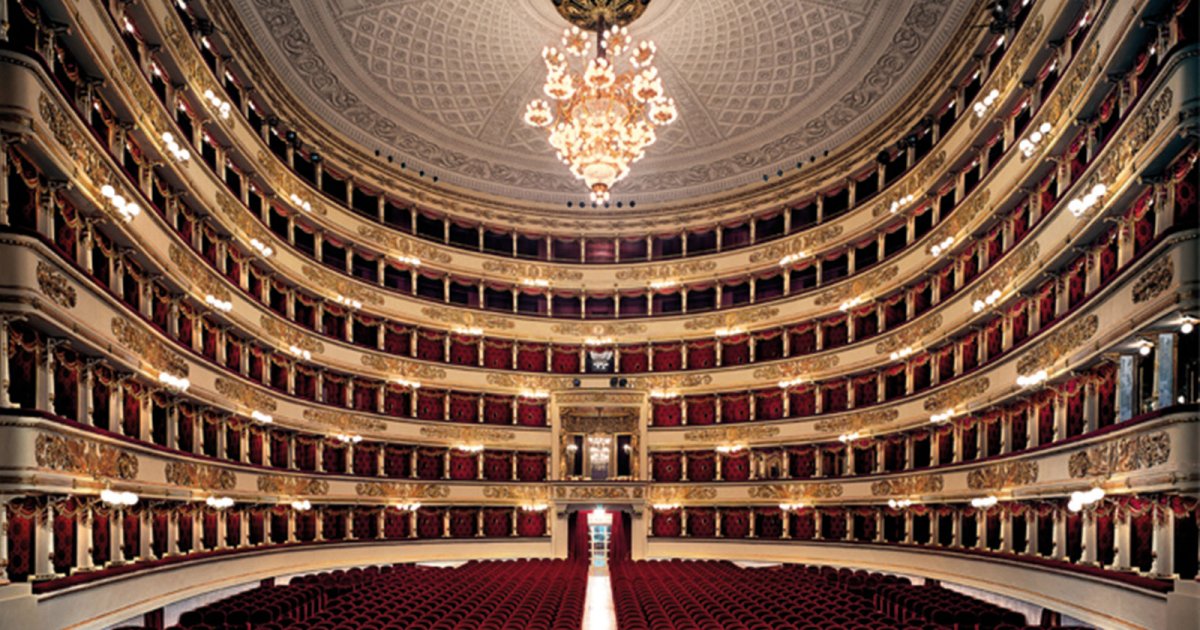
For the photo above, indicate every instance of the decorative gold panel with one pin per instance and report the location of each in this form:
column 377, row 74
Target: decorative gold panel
column 792, row 492
column 909, row 336
column 1006, row 272
column 401, row 368
column 908, row 485
column 807, row 242
column 1058, row 345
column 960, row 218
column 289, row 486
column 470, row 435
column 670, row 271
column 149, row 349
column 670, row 383
column 1155, row 280
column 403, row 491
column 467, row 319
column 528, row 381
column 718, row 435
column 858, row 286
column 517, row 493
column 288, row 336
column 245, row 394
column 598, row 492
column 74, row 455
column 678, row 494
column 954, row 396
column 604, row 398
column 1003, row 475
column 1121, row 455
column 532, row 271
column 796, row 368
column 198, row 274
column 403, row 246
column 857, row 421
column 344, row 421
column 200, row 476
column 55, row 285
column 913, row 185
column 338, row 284
column 580, row 329
column 731, row 319
column 602, row 420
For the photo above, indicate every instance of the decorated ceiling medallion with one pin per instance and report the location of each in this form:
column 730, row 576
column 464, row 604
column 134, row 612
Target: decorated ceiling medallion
column 599, row 120
column 593, row 14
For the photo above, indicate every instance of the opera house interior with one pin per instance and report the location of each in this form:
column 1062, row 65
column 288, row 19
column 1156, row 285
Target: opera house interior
column 590, row 314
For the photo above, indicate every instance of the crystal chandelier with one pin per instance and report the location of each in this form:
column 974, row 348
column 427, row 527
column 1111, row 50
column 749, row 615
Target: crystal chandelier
column 599, row 120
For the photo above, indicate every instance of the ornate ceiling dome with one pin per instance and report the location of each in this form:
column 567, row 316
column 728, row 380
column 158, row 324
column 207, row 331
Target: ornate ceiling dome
column 443, row 83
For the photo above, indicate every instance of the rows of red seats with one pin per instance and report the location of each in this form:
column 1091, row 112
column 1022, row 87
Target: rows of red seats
column 489, row 595
column 701, row 595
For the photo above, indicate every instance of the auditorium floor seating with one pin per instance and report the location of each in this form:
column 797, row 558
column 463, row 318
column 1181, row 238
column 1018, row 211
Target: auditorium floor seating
column 495, row 595
column 686, row 595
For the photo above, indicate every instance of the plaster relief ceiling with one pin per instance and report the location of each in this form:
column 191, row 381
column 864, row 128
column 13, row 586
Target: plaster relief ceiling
column 760, row 84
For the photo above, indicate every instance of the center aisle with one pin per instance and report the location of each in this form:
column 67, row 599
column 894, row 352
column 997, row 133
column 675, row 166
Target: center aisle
column 598, row 611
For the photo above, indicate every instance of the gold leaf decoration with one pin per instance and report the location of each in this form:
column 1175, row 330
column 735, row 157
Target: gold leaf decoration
column 342, row 286
column 468, row 434
column 955, row 395
column 1058, row 345
column 344, row 421
column 400, row 368
column 910, row 335
column 908, row 485
column 1121, row 455
column 600, row 493
column 616, row 329
column 198, row 274
column 671, row 271
column 517, row 493
column 74, row 455
column 200, row 476
column 1155, row 280
column 1003, row 475
column 149, row 349
column 731, row 434
column 857, row 421
column 286, row 485
column 680, row 494
column 913, row 185
column 857, row 287
column 399, row 245
column 805, row 242
column 528, row 381
column 467, row 319
column 607, row 398
column 245, row 394
column 668, row 383
column 733, row 318
column 795, row 368
column 1011, row 66
column 794, row 492
column 55, row 285
column 959, row 219
column 243, row 219
column 1000, row 277
column 531, row 271
column 605, row 420
column 84, row 155
column 288, row 336
column 402, row 491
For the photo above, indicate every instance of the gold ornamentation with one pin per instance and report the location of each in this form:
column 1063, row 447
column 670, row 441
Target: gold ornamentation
column 589, row 15
column 197, row 274
column 399, row 245
column 200, row 476
column 55, row 285
column 1121, row 455
column 679, row 494
column 151, row 350
column 908, row 485
column 609, row 420
column 579, row 329
column 1002, row 276
column 1058, row 345
column 731, row 319
column 595, row 492
column 1003, row 475
column 74, row 455
column 1010, row 68
column 343, row 421
column 466, row 319
column 954, row 396
column 1140, row 132
column 959, row 219
column 517, row 493
column 795, row 492
column 83, row 154
column 469, row 435
column 912, row 185
column 1070, row 85
column 803, row 243
column 400, row 368
column 731, row 434
column 796, row 368
column 610, row 398
column 341, row 286
column 530, row 271
column 529, row 382
column 243, row 219
column 287, row 336
column 670, row 383
column 857, row 287
column 245, row 394
column 402, row 491
column 1155, row 280
column 858, row 421
column 672, row 271
column 285, row 485
column 909, row 336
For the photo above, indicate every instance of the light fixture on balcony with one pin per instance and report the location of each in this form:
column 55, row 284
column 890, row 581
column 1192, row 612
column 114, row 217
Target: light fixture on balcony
column 662, row 394
column 1033, row 379
column 299, row 352
column 221, row 105
column 407, row 384
column 658, row 285
column 791, row 506
column 534, row 507
column 599, row 120
column 849, row 437
column 534, row 394
column 792, row 258
column 176, row 383
column 938, row 248
column 898, row 504
column 407, row 506
column 851, row 303
column 984, row 502
column 261, row 417
column 120, row 499
column 347, row 438
column 1030, row 144
column 987, row 301
column 470, row 331
column 219, row 503
column 728, row 332
column 1188, row 325
column 348, row 301
column 127, row 209
column 301, row 506
column 1080, row 205
column 300, row 203
column 221, row 305
column 1081, row 499
column 943, row 416
column 792, row 382
column 179, row 153
column 411, row 261
column 984, row 104
column 469, row 448
column 262, row 248
column 901, row 202
column 1144, row 347
column 729, row 449
column 902, row 353
column 665, row 507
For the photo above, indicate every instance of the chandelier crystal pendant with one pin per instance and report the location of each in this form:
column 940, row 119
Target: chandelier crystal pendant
column 599, row 120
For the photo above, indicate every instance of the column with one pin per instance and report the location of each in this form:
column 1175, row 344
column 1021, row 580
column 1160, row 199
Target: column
column 116, row 537
column 1006, row 531
column 1123, row 542
column 1125, row 387
column 173, row 533
column 1060, row 535
column 43, row 544
column 1164, row 370
column 83, row 541
column 1164, row 545
column 5, row 321
column 1089, row 556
